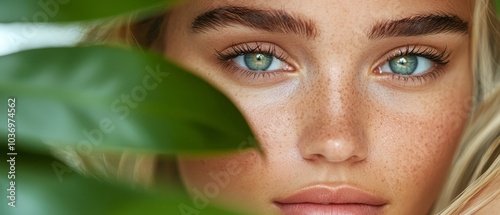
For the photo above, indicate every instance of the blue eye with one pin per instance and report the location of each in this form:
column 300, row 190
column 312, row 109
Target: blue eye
column 259, row 62
column 407, row 65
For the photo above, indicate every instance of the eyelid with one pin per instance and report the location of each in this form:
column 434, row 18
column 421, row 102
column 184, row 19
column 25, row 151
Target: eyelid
column 439, row 57
column 248, row 77
column 235, row 50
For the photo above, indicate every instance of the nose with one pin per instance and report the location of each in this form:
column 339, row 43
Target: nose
column 333, row 150
column 333, row 129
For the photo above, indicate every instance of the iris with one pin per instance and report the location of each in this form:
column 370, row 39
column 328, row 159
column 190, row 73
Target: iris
column 404, row 65
column 258, row 61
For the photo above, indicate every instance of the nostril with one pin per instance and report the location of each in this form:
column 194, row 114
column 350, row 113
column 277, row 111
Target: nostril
column 314, row 157
column 334, row 151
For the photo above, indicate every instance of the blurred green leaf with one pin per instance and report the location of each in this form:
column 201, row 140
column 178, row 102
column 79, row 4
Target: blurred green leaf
column 70, row 10
column 38, row 191
column 115, row 98
column 497, row 5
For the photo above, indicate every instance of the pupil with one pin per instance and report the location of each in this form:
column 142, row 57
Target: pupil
column 259, row 57
column 402, row 61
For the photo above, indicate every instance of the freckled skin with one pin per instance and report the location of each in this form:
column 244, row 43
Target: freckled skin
column 333, row 120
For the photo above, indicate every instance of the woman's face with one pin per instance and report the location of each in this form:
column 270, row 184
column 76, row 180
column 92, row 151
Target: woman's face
column 358, row 105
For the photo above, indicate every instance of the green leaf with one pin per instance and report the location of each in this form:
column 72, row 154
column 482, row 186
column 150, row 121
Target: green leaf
column 104, row 97
column 497, row 7
column 44, row 186
column 71, row 10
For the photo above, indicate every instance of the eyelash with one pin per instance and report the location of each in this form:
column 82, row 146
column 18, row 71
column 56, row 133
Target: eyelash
column 439, row 58
column 242, row 49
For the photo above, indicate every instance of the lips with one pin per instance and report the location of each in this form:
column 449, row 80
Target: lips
column 320, row 200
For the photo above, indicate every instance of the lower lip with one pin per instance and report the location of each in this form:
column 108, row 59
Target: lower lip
column 330, row 209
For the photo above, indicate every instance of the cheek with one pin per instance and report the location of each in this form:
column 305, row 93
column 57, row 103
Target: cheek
column 414, row 138
column 417, row 148
column 414, row 159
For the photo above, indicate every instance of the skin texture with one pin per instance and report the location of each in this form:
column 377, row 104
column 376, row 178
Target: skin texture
column 329, row 119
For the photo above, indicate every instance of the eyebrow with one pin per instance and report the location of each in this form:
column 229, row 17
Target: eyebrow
column 419, row 25
column 266, row 20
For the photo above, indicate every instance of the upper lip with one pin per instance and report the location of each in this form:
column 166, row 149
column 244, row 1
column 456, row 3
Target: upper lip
column 332, row 195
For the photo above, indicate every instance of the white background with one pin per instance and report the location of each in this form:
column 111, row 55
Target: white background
column 15, row 37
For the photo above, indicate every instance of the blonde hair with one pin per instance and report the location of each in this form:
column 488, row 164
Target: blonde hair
column 485, row 48
column 477, row 161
